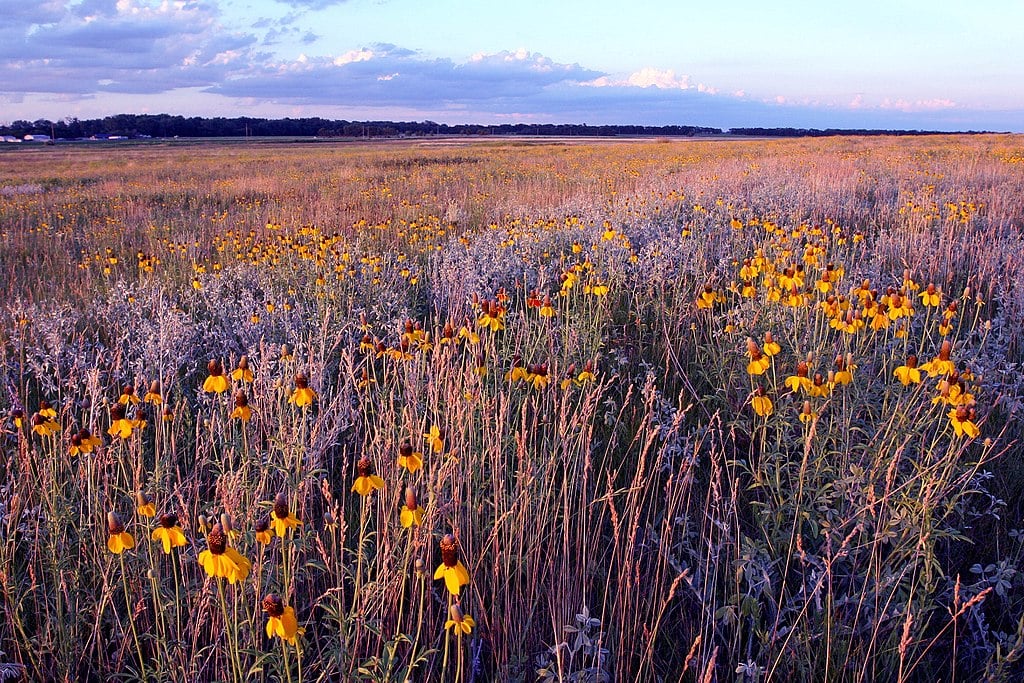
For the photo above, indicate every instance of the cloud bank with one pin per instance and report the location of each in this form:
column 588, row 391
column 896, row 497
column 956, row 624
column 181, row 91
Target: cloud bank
column 166, row 51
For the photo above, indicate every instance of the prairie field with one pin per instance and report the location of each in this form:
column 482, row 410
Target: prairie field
column 673, row 410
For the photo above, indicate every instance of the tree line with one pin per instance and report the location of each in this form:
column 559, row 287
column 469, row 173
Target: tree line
column 169, row 126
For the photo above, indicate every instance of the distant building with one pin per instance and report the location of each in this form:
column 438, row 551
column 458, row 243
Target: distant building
column 37, row 137
column 10, row 138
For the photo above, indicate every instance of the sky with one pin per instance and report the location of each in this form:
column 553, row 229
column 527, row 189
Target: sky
column 921, row 64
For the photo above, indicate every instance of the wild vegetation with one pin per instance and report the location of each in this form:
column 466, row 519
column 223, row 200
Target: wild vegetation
column 680, row 411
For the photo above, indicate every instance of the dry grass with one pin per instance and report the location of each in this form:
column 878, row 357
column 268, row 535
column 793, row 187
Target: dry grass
column 621, row 509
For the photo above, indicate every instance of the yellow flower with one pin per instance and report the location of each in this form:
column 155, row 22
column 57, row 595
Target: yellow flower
column 819, row 387
column 367, row 481
column 761, row 404
column 263, row 535
column 120, row 426
column 411, row 513
column 18, row 417
column 302, row 396
column 128, row 396
column 242, row 411
column 941, row 364
column 169, row 533
column 216, row 382
column 771, row 347
column 537, row 376
column 221, row 560
column 909, row 373
column 806, row 414
column 451, row 569
column 547, row 310
column 44, row 426
column 799, row 381
column 962, row 419
column 435, row 439
column 459, row 623
column 759, row 362
column 407, row 458
column 47, row 410
column 118, row 540
column 931, row 297
column 281, row 621
column 282, row 519
column 153, row 396
column 144, row 505
column 242, row 373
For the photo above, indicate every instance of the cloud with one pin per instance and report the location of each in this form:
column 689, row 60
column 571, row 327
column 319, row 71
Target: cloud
column 312, row 4
column 129, row 46
column 387, row 75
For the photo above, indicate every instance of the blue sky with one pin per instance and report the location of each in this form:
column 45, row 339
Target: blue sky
column 873, row 63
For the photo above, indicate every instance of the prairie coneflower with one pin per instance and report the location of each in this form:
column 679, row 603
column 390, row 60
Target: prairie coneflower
column 806, row 414
column 458, row 622
column 409, row 459
column 800, row 381
column 281, row 621
column 153, row 396
column 547, row 310
column 537, row 375
column 962, row 419
column 451, row 568
column 144, row 504
column 931, row 297
column 242, row 411
column 262, row 528
column 517, row 372
column 216, row 382
column 282, row 519
column 221, row 560
column 18, row 417
column 242, row 373
column 908, row 373
column 761, row 404
column 302, row 395
column 759, row 362
column 941, row 364
column 120, row 425
column 367, row 481
column 169, row 533
column 127, row 396
column 771, row 347
column 118, row 539
column 44, row 426
column 47, row 410
column 411, row 513
column 435, row 439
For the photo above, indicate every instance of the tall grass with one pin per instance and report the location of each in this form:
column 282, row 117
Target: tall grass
column 560, row 332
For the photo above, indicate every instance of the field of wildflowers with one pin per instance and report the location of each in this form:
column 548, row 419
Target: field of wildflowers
column 652, row 411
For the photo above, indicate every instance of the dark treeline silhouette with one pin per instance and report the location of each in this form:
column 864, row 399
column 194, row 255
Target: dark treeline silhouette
column 167, row 126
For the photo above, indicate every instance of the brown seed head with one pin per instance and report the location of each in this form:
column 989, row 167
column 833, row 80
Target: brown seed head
column 154, row 387
column 241, row 401
column 117, row 411
column 801, row 369
column 281, row 506
column 243, row 363
column 168, row 521
column 944, row 352
column 273, row 605
column 364, row 467
column 215, row 368
column 405, row 450
column 410, row 498
column 217, row 540
column 262, row 524
column 448, row 547
column 911, row 361
column 114, row 523
column 301, row 381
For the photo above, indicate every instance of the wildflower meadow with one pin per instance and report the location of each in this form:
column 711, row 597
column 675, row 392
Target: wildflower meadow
column 664, row 410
